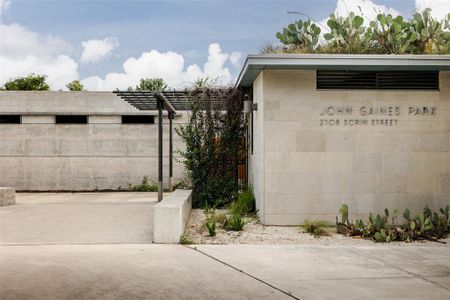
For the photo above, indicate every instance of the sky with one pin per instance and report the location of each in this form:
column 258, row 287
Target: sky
column 112, row 44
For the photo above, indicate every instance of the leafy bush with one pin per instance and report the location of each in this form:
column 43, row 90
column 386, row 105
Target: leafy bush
column 213, row 140
column 245, row 202
column 144, row 186
column 75, row 86
column 424, row 225
column 316, row 228
column 32, row 82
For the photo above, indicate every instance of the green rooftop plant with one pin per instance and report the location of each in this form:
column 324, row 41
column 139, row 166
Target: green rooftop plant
column 420, row 34
column 75, row 85
column 151, row 84
column 345, row 34
column 32, row 82
column 428, row 34
column 389, row 35
column 301, row 34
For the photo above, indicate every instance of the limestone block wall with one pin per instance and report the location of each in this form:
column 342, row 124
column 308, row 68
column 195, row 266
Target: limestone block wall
column 370, row 149
column 103, row 154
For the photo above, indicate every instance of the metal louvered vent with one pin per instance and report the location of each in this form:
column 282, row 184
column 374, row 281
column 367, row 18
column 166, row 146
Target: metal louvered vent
column 377, row 80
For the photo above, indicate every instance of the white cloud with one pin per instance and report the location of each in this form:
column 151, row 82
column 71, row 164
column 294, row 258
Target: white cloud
column 23, row 52
column 169, row 65
column 96, row 50
column 439, row 8
column 4, row 4
column 235, row 59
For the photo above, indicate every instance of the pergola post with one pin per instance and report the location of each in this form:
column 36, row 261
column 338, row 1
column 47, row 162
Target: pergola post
column 160, row 150
column 170, row 182
column 145, row 100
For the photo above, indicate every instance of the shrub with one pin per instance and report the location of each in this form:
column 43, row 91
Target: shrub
column 316, row 228
column 424, row 225
column 245, row 202
column 234, row 222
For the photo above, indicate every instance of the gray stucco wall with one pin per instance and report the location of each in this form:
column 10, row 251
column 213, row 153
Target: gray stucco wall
column 305, row 165
column 104, row 154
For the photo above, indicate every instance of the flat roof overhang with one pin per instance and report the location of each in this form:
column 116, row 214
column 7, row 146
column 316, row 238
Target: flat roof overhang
column 254, row 64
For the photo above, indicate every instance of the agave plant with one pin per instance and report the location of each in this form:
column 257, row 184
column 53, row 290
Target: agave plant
column 300, row 34
column 345, row 33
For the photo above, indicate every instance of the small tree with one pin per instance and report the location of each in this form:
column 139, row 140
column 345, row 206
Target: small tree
column 151, row 84
column 32, row 82
column 75, row 86
column 213, row 139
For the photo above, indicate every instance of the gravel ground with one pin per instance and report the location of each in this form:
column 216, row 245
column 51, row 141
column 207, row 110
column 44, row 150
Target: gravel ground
column 256, row 233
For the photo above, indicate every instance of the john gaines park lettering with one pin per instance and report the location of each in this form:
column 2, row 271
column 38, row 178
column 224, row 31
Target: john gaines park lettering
column 371, row 115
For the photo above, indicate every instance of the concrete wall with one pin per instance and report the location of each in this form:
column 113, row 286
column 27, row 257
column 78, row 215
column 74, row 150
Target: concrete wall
column 104, row 154
column 304, row 165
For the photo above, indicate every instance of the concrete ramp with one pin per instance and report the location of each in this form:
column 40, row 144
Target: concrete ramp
column 78, row 218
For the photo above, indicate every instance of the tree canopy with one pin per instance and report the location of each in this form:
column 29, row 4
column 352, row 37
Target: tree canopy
column 32, row 82
column 75, row 85
column 151, row 84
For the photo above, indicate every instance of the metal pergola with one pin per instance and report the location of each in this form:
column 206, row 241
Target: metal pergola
column 146, row 100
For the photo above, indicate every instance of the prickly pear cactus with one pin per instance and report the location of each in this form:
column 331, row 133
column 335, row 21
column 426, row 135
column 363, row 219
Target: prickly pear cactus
column 301, row 34
column 429, row 35
column 388, row 35
column 346, row 33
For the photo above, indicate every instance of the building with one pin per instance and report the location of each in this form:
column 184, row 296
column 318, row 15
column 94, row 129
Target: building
column 370, row 131
column 79, row 141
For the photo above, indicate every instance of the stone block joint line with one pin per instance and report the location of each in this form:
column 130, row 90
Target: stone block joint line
column 245, row 273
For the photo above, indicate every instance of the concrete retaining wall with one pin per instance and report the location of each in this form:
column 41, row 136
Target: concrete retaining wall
column 7, row 196
column 171, row 216
column 104, row 154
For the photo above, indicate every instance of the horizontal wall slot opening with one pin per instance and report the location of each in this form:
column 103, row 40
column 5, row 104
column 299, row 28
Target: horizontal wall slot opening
column 10, row 119
column 71, row 119
column 377, row 80
column 138, row 119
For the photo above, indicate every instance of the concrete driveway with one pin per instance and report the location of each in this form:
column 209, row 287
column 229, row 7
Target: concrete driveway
column 98, row 246
column 78, row 218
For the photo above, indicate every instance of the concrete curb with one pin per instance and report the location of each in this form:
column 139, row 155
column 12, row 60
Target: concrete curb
column 171, row 216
